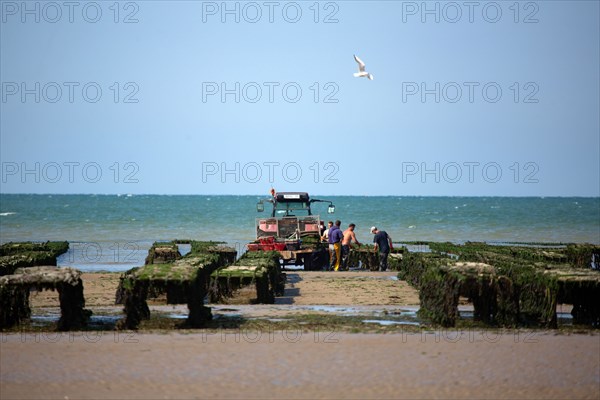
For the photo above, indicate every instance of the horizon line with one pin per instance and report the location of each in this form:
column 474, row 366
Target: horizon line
column 267, row 195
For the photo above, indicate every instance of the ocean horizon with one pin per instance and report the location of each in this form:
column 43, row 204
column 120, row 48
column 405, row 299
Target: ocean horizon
column 114, row 232
column 311, row 195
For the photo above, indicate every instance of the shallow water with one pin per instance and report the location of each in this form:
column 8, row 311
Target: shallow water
column 387, row 322
column 108, row 256
column 116, row 221
column 52, row 317
column 380, row 315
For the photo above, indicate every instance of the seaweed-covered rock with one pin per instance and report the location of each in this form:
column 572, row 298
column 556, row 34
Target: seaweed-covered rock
column 162, row 253
column 14, row 295
column 365, row 257
column 508, row 285
column 184, row 281
column 15, row 255
column 55, row 248
column 261, row 269
column 583, row 256
column 14, row 304
column 227, row 254
column 438, row 294
column 395, row 259
column 134, row 293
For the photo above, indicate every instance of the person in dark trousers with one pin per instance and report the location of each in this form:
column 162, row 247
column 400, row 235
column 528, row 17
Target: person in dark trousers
column 383, row 244
column 335, row 239
column 349, row 237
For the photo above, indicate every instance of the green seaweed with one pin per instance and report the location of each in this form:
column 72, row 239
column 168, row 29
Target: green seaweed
column 14, row 255
column 15, row 288
column 260, row 268
column 162, row 252
column 184, row 280
column 518, row 286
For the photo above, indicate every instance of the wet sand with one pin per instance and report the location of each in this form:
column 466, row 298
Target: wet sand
column 302, row 288
column 300, row 365
column 347, row 288
column 296, row 364
column 98, row 288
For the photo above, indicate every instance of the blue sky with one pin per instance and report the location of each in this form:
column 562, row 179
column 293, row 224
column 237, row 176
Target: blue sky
column 496, row 98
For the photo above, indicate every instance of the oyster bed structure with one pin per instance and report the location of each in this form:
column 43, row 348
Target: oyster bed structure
column 30, row 266
column 258, row 268
column 184, row 280
column 508, row 285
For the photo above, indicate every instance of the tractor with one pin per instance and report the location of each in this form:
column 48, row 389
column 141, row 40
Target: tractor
column 292, row 230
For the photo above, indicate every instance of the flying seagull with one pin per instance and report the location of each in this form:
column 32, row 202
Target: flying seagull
column 361, row 69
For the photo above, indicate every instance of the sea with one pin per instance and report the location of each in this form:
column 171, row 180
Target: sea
column 114, row 232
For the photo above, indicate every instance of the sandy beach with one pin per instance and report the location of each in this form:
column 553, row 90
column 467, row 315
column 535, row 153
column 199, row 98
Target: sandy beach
column 298, row 362
column 302, row 288
column 300, row 365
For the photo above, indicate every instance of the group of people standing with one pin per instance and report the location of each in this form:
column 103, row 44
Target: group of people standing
column 339, row 245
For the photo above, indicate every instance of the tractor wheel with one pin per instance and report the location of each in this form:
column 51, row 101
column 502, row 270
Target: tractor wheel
column 320, row 259
column 307, row 261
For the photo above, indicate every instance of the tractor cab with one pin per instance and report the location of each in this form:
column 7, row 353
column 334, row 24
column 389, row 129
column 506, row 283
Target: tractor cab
column 291, row 204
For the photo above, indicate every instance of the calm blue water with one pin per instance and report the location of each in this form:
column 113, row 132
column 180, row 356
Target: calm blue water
column 114, row 232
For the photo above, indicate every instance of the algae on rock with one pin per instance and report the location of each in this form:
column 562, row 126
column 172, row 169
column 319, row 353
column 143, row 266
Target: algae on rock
column 508, row 285
column 15, row 288
column 258, row 268
column 183, row 279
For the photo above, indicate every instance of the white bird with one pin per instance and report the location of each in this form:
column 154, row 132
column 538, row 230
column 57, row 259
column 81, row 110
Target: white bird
column 361, row 70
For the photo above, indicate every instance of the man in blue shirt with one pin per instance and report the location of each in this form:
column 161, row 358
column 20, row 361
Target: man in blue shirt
column 335, row 238
column 383, row 243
